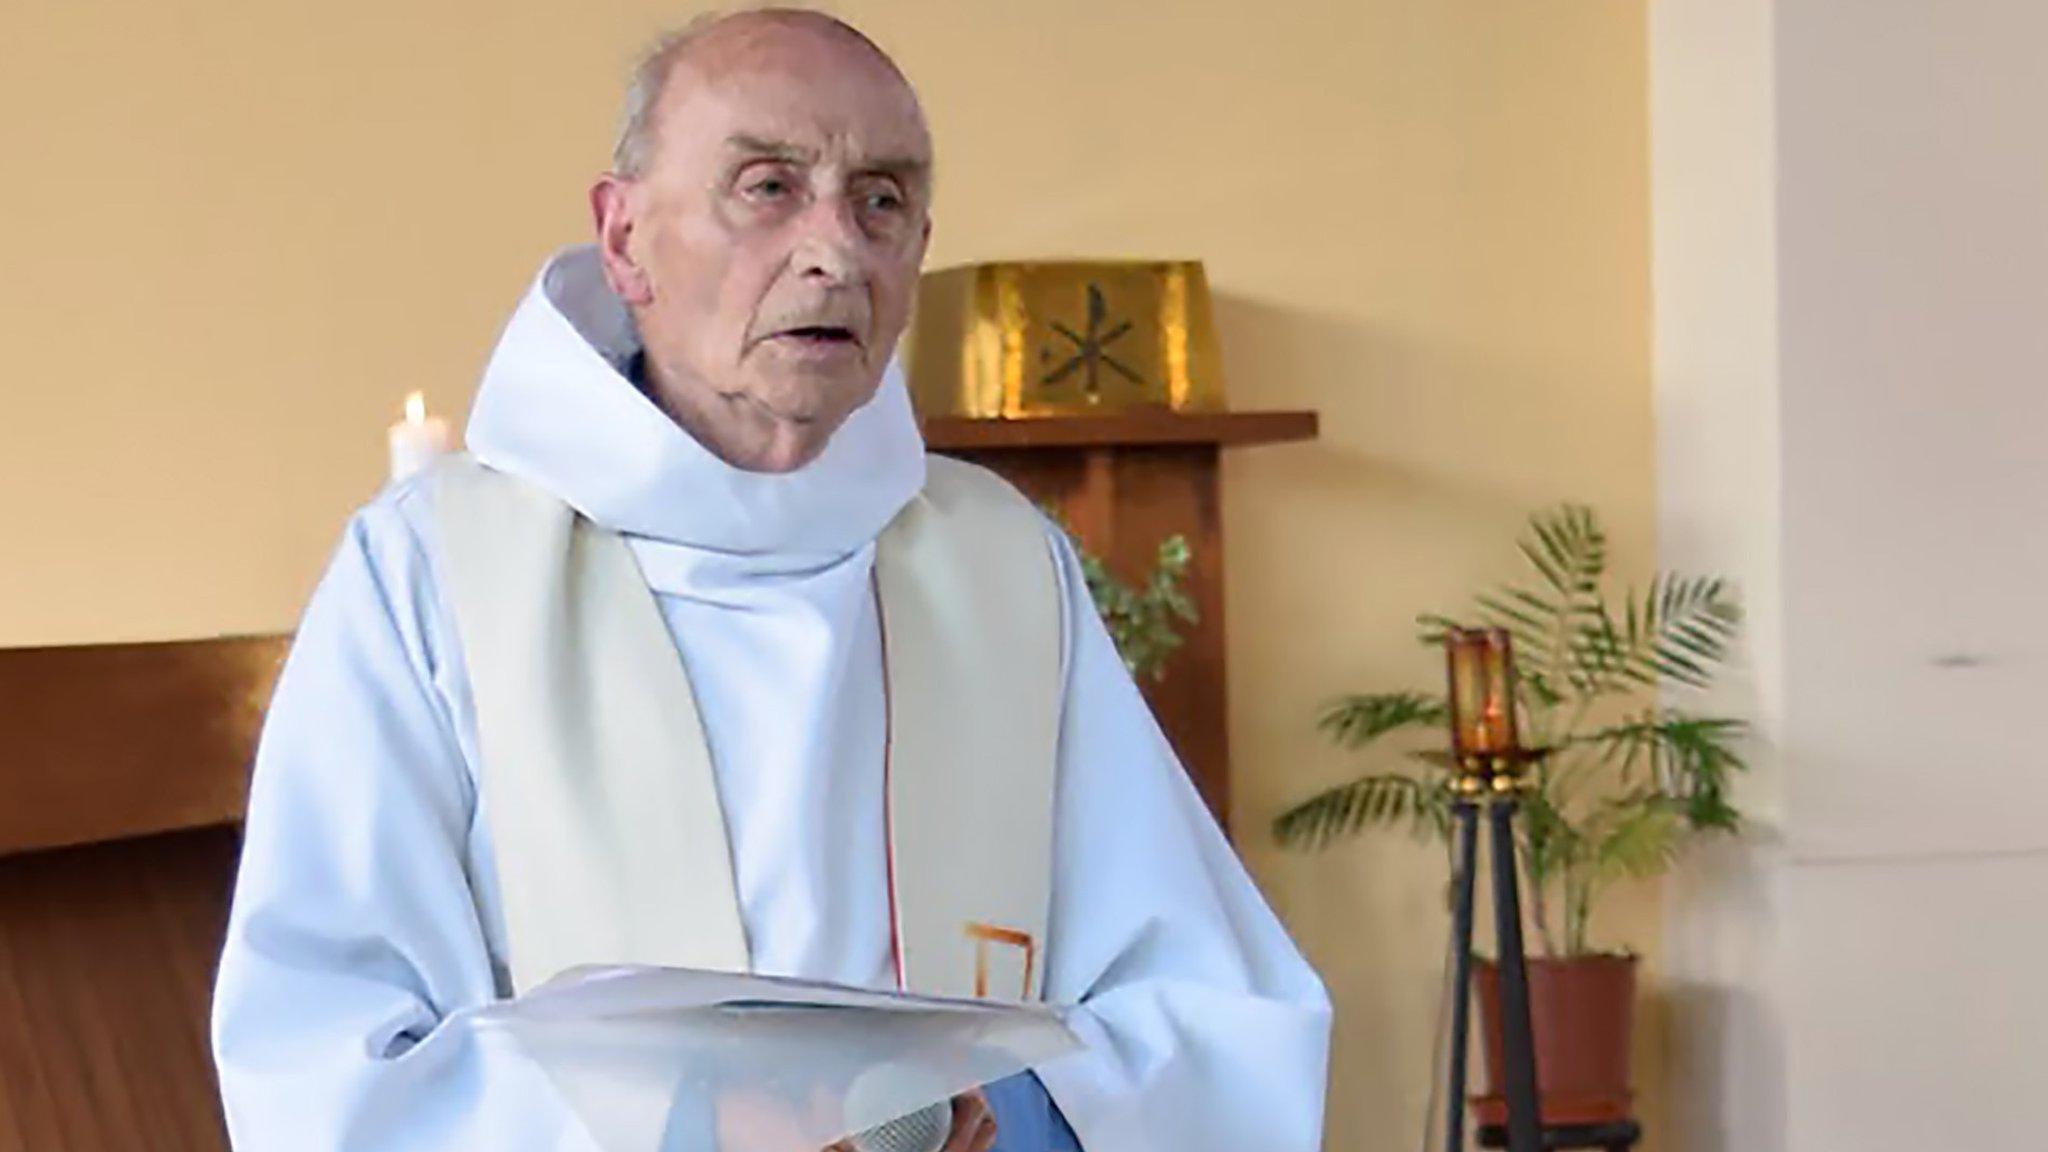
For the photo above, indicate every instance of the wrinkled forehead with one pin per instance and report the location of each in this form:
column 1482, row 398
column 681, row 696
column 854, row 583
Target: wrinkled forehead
column 817, row 92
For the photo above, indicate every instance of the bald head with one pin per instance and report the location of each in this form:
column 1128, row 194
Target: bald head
column 764, row 221
column 715, row 43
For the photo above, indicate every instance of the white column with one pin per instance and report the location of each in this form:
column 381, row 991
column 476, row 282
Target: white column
column 1851, row 214
column 1715, row 297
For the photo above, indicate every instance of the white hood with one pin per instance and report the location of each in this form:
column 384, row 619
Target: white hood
column 554, row 408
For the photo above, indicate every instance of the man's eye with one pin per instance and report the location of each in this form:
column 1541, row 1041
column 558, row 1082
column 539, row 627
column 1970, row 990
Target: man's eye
column 884, row 201
column 768, row 188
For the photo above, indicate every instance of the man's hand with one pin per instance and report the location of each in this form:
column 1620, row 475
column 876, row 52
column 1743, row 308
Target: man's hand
column 974, row 1126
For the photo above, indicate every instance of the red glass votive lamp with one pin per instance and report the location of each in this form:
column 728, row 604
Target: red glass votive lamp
column 1481, row 663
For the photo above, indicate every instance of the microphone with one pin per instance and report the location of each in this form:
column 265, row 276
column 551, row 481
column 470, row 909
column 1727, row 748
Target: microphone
column 924, row 1130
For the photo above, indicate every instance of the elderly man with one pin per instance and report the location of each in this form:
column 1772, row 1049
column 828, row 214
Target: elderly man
column 695, row 658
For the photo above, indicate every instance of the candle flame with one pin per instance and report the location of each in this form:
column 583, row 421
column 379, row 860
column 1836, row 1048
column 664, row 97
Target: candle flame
column 416, row 409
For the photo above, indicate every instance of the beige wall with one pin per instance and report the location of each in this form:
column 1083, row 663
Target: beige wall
column 238, row 231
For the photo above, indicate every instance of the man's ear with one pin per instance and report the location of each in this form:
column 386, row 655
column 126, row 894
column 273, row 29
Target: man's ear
column 924, row 247
column 612, row 204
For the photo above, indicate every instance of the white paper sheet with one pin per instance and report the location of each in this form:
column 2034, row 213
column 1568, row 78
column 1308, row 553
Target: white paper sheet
column 674, row 1060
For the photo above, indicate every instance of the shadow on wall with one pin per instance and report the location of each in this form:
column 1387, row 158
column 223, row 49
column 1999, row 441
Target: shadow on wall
column 1408, row 423
column 1714, row 1018
column 1430, row 457
column 1724, row 1033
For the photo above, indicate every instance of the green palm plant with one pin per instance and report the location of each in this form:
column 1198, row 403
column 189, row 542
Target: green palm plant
column 1631, row 776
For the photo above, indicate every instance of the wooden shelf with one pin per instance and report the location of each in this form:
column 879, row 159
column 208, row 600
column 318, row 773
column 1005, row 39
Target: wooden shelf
column 1122, row 429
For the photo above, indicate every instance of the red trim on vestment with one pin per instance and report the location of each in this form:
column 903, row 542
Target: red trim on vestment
column 888, row 794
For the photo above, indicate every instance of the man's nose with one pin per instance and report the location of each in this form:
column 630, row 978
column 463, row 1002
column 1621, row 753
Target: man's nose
column 828, row 248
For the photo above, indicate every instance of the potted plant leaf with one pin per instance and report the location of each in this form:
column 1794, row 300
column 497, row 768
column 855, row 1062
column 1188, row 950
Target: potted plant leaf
column 1632, row 775
column 1144, row 619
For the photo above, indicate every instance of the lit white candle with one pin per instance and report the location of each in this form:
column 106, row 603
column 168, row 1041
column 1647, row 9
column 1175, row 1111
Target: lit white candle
column 417, row 439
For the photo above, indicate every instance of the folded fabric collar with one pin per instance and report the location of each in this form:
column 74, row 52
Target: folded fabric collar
column 558, row 407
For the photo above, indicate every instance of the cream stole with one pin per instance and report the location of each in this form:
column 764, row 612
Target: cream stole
column 610, row 844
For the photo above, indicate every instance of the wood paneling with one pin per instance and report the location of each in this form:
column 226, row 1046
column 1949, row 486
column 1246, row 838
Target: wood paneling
column 104, row 741
column 106, row 961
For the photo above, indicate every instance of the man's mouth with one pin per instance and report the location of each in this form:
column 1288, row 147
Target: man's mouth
column 820, row 335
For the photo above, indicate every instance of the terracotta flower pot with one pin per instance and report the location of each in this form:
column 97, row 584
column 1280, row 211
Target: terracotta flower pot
column 1583, row 1010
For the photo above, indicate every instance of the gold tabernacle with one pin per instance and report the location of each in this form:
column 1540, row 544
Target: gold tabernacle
column 1058, row 338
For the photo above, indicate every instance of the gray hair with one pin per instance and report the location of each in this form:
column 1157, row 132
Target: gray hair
column 634, row 147
column 635, row 143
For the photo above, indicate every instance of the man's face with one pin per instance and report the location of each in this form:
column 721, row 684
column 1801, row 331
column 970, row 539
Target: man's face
column 775, row 237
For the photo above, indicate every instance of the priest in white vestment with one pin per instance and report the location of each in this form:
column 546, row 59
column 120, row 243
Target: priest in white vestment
column 709, row 390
